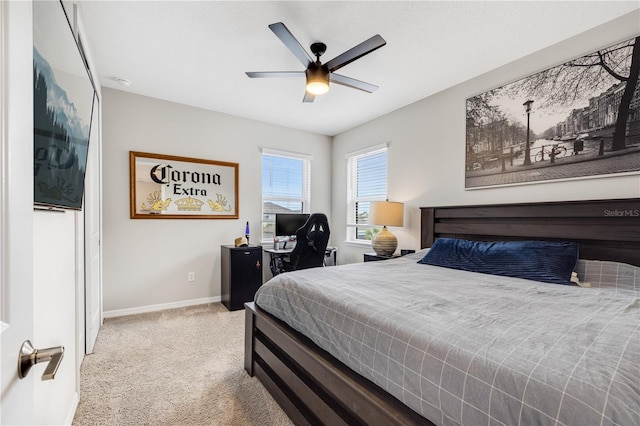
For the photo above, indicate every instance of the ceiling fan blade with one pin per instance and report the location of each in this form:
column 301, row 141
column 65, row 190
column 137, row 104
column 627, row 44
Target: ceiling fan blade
column 271, row 74
column 352, row 82
column 283, row 33
column 356, row 52
column 308, row 97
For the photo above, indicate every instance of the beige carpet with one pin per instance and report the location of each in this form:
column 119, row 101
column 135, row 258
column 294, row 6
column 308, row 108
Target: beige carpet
column 176, row 367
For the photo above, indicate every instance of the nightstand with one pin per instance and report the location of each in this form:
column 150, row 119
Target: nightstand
column 372, row 257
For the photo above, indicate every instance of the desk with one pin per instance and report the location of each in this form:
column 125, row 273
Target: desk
column 279, row 257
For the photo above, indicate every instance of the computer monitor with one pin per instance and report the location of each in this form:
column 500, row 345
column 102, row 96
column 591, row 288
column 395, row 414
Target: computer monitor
column 288, row 223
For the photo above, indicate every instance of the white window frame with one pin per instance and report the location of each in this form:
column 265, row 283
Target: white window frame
column 306, row 186
column 352, row 199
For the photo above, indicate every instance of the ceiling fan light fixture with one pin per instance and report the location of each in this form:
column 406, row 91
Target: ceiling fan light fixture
column 317, row 87
column 317, row 81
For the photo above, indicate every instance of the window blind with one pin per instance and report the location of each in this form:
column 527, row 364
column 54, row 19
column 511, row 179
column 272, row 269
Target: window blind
column 286, row 183
column 367, row 173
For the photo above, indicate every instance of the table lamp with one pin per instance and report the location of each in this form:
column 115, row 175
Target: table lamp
column 386, row 213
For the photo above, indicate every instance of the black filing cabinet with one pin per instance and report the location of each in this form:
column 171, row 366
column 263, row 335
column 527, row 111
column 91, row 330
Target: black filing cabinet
column 241, row 275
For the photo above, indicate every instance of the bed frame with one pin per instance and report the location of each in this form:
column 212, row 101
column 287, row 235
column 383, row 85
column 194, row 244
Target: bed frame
column 314, row 388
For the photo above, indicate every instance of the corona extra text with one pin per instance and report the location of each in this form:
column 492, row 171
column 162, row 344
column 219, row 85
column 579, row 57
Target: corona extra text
column 165, row 174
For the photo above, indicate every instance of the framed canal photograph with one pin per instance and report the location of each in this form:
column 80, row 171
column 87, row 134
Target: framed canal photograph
column 575, row 120
column 171, row 187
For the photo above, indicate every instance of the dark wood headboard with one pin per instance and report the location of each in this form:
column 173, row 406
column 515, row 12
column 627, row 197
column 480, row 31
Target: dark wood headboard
column 605, row 229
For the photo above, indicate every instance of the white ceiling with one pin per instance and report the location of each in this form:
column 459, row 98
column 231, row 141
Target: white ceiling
column 196, row 53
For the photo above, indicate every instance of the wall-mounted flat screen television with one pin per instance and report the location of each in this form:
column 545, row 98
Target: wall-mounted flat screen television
column 63, row 101
column 288, row 223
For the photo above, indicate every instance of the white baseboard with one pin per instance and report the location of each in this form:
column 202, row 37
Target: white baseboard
column 161, row 307
column 72, row 408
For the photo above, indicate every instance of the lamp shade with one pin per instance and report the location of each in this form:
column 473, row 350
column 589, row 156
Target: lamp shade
column 387, row 213
column 317, row 80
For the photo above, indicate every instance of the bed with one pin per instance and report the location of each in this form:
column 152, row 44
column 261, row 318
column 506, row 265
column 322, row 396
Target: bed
column 321, row 386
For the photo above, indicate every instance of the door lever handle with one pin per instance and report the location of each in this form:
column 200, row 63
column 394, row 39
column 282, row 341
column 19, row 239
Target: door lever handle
column 29, row 356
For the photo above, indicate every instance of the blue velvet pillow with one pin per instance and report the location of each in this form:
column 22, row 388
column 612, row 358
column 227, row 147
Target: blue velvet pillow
column 550, row 262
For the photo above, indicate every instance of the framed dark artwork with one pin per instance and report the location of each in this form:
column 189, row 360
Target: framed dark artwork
column 576, row 120
column 171, row 187
column 63, row 100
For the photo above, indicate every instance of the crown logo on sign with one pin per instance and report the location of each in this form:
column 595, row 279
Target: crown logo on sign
column 189, row 204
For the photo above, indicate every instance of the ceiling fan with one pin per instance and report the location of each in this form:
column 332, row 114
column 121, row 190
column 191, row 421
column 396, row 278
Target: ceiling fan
column 318, row 74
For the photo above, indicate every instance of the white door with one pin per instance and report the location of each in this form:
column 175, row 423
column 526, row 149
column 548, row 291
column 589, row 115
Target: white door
column 16, row 208
column 93, row 287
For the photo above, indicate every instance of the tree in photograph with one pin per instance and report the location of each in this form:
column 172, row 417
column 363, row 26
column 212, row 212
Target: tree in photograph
column 573, row 81
column 488, row 126
column 479, row 108
column 481, row 115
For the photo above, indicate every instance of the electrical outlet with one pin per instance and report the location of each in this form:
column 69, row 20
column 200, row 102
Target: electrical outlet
column 191, row 277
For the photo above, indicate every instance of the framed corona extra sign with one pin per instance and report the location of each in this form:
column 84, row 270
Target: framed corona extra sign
column 171, row 187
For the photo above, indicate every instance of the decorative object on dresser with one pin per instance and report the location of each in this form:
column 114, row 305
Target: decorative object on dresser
column 241, row 275
column 386, row 213
column 241, row 242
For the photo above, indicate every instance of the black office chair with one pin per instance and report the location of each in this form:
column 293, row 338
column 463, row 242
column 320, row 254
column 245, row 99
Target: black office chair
column 311, row 242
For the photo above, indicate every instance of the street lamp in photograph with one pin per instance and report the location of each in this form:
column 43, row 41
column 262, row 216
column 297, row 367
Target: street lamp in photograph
column 527, row 155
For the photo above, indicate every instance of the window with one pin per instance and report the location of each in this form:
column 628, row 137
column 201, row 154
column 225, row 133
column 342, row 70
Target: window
column 367, row 181
column 286, row 187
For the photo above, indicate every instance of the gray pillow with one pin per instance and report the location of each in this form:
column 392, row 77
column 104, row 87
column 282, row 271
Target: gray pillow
column 606, row 274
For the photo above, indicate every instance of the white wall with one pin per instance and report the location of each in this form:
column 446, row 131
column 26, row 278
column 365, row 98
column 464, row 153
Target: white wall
column 146, row 261
column 426, row 155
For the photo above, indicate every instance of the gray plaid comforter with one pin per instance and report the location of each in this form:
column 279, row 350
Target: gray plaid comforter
column 474, row 349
